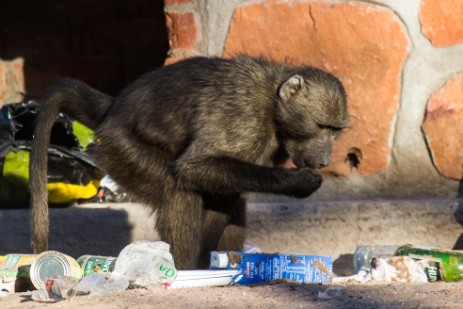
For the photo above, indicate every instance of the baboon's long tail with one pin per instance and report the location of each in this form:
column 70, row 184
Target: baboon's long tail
column 78, row 101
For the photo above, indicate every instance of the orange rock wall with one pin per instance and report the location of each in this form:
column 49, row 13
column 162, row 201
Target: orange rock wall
column 401, row 66
column 442, row 21
column 366, row 47
column 443, row 128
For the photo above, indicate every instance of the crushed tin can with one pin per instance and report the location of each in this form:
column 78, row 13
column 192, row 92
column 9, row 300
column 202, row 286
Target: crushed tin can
column 50, row 264
column 14, row 272
column 10, row 263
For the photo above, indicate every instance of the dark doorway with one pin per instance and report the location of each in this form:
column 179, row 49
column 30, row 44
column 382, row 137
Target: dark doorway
column 105, row 43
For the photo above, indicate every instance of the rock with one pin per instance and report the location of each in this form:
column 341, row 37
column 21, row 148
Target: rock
column 441, row 21
column 182, row 29
column 12, row 86
column 443, row 128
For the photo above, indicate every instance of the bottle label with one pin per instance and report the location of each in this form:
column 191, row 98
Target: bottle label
column 96, row 264
column 432, row 266
column 432, row 271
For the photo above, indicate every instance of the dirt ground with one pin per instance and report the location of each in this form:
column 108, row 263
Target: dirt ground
column 278, row 295
column 333, row 229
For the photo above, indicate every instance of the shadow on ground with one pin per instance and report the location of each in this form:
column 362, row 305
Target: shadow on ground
column 74, row 231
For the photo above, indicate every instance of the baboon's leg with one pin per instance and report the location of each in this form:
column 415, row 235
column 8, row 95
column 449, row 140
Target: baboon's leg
column 234, row 234
column 223, row 227
column 179, row 224
column 142, row 169
column 213, row 226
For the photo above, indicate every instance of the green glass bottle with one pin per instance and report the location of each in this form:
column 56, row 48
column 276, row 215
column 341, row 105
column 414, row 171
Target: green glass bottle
column 443, row 264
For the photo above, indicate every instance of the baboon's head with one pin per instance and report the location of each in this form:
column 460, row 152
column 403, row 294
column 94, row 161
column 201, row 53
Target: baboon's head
column 311, row 113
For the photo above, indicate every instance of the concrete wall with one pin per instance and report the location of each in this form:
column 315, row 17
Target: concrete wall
column 400, row 61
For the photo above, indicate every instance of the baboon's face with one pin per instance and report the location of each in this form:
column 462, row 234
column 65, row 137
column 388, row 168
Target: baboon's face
column 313, row 112
column 313, row 152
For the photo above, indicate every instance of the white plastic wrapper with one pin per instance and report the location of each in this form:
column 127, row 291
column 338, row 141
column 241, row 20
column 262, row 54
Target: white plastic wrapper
column 146, row 264
column 392, row 269
column 99, row 285
column 61, row 287
column 54, row 289
column 108, row 183
column 399, row 269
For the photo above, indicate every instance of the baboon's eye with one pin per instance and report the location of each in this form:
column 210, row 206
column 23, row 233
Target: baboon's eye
column 328, row 127
column 335, row 132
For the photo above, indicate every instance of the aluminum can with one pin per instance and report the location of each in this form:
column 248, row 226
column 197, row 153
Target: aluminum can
column 95, row 264
column 53, row 263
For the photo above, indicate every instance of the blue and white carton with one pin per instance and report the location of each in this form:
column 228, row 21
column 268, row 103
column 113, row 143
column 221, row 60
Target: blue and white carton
column 262, row 267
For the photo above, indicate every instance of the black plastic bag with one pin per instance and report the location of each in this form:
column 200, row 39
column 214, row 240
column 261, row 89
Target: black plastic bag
column 72, row 175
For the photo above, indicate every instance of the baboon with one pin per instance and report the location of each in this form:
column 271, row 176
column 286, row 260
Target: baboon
column 190, row 139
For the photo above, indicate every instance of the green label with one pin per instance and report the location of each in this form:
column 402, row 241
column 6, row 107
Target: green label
column 432, row 271
column 20, row 272
column 96, row 264
column 168, row 270
column 9, row 273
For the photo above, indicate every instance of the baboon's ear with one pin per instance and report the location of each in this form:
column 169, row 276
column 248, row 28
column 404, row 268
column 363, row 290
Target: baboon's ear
column 290, row 87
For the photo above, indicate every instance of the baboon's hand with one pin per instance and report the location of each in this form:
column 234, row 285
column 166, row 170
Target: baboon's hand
column 300, row 183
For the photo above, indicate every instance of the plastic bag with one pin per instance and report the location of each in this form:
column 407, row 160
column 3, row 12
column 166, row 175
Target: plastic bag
column 72, row 175
column 55, row 289
column 62, row 287
column 146, row 264
column 99, row 285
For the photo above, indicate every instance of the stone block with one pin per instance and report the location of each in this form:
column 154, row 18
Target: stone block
column 443, row 128
column 182, row 30
column 11, row 81
column 441, row 21
column 364, row 44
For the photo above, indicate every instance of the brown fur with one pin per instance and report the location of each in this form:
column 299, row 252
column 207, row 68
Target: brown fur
column 189, row 139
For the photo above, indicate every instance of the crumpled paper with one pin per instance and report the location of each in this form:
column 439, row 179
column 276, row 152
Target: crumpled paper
column 391, row 269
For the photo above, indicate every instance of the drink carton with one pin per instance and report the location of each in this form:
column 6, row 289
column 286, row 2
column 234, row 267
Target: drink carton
column 262, row 267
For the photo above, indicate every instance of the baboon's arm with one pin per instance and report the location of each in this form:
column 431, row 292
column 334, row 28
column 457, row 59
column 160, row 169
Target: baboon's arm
column 227, row 175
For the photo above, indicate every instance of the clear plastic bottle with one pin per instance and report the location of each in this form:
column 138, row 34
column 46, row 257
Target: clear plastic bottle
column 364, row 254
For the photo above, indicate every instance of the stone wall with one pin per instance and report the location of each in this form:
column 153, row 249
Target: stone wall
column 400, row 61
column 11, row 81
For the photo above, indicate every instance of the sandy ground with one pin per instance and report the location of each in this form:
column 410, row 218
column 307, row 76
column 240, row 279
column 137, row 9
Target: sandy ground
column 279, row 295
column 333, row 229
